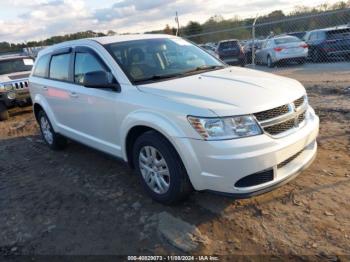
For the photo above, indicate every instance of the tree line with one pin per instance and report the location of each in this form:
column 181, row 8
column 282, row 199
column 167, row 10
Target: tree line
column 217, row 28
column 302, row 18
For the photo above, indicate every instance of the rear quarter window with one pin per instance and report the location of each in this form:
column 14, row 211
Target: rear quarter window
column 339, row 34
column 41, row 66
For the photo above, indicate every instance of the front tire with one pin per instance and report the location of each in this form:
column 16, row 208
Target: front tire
column 54, row 140
column 4, row 114
column 160, row 169
column 270, row 64
column 301, row 61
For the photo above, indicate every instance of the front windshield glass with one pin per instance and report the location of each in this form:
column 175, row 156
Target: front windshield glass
column 153, row 60
column 15, row 65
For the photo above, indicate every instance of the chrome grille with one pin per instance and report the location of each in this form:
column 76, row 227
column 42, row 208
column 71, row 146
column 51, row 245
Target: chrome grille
column 19, row 85
column 299, row 102
column 301, row 117
column 272, row 113
column 283, row 118
column 280, row 128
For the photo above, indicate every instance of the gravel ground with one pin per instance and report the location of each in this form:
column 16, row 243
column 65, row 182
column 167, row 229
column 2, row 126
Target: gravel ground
column 83, row 202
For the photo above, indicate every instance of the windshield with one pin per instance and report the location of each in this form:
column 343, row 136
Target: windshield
column 15, row 65
column 152, row 60
column 287, row 40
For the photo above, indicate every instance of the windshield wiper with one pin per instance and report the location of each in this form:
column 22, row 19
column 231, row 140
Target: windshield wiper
column 157, row 77
column 204, row 68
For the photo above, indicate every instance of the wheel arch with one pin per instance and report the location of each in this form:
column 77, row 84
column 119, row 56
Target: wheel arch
column 140, row 122
column 40, row 103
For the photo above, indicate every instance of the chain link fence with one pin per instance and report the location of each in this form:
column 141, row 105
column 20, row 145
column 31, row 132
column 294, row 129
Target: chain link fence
column 314, row 38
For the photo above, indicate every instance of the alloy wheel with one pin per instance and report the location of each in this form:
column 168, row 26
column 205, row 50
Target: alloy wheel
column 154, row 169
column 46, row 130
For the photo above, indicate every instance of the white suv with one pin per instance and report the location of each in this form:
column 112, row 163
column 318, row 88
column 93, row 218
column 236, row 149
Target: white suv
column 179, row 116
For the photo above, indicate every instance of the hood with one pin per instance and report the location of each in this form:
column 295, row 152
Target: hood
column 14, row 77
column 229, row 91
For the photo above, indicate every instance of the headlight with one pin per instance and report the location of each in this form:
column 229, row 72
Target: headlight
column 8, row 87
column 225, row 128
column 11, row 95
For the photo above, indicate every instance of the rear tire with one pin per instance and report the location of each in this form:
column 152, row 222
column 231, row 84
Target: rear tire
column 160, row 169
column 301, row 61
column 315, row 56
column 270, row 64
column 4, row 114
column 54, row 140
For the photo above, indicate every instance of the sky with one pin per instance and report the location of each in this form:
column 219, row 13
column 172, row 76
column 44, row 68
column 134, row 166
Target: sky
column 25, row 20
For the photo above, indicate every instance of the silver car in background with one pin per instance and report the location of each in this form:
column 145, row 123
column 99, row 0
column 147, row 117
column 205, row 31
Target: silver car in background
column 282, row 49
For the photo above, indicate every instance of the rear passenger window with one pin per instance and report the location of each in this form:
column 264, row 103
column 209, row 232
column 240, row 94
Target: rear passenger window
column 85, row 63
column 40, row 69
column 59, row 67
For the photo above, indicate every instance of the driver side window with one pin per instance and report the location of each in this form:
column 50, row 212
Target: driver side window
column 85, row 63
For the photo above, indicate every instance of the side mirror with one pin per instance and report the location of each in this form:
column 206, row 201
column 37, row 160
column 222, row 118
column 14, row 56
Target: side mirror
column 100, row 79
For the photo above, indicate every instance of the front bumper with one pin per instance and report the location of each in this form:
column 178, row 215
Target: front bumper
column 218, row 165
column 22, row 97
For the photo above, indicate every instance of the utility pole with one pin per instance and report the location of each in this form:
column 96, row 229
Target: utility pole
column 253, row 45
column 178, row 24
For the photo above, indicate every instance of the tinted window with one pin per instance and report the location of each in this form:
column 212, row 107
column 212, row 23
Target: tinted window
column 15, row 65
column 286, row 40
column 84, row 63
column 228, row 45
column 339, row 34
column 59, row 67
column 41, row 65
column 313, row 36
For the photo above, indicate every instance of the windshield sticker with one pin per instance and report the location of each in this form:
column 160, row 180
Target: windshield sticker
column 28, row 62
column 180, row 41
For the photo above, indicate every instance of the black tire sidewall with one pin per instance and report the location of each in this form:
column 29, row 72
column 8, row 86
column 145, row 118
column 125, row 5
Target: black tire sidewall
column 58, row 142
column 175, row 166
column 4, row 114
column 271, row 63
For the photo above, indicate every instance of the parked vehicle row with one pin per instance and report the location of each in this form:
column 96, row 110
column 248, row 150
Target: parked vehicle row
column 180, row 117
column 319, row 45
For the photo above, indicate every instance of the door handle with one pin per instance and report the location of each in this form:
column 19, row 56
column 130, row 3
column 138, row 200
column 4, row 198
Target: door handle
column 45, row 88
column 73, row 94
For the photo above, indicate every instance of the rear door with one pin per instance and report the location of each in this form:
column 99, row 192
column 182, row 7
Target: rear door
column 58, row 87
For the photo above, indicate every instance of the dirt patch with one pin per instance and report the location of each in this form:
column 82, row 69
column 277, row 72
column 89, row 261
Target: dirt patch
column 80, row 201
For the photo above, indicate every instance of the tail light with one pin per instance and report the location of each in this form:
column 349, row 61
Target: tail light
column 304, row 46
column 278, row 49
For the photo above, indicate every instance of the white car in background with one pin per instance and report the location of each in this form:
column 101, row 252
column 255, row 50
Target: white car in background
column 180, row 117
column 282, row 49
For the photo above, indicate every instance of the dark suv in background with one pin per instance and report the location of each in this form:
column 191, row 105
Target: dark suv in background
column 327, row 43
column 231, row 52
